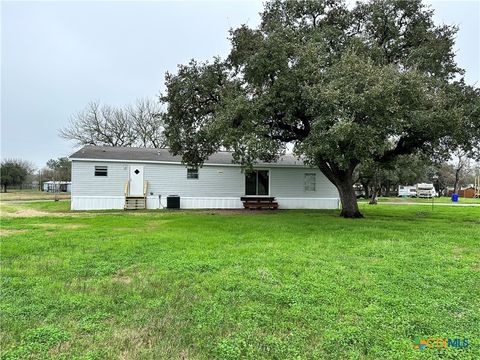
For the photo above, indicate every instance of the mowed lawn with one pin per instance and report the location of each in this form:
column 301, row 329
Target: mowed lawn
column 437, row 200
column 238, row 285
column 21, row 195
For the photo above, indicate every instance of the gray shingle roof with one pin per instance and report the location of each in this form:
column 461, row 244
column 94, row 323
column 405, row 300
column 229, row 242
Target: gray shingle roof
column 163, row 155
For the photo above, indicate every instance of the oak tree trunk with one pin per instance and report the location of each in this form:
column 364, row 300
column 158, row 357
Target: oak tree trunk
column 348, row 199
column 343, row 181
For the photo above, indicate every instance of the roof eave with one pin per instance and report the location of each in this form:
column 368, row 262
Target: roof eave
column 180, row 163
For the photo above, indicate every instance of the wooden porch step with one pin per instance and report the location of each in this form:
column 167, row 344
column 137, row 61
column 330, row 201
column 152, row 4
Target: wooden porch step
column 135, row 203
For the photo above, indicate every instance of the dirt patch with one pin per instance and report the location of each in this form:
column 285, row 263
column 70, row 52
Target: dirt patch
column 8, row 232
column 151, row 224
column 422, row 214
column 236, row 212
column 457, row 252
column 61, row 226
column 59, row 349
column 133, row 230
column 127, row 275
column 131, row 340
column 28, row 213
column 122, row 279
column 166, row 212
column 31, row 195
column 74, row 226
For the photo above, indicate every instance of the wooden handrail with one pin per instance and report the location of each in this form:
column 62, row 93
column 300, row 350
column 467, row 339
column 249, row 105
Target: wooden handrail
column 145, row 185
column 126, row 187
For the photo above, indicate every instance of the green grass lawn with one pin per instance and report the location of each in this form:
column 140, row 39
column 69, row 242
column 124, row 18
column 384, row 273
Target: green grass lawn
column 443, row 199
column 31, row 194
column 238, row 285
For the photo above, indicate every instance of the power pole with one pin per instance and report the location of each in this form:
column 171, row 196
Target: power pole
column 477, row 185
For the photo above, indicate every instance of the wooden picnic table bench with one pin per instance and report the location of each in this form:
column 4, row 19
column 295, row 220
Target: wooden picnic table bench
column 259, row 202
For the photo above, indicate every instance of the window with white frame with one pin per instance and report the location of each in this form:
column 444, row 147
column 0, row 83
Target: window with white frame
column 310, row 180
column 101, row 170
column 192, row 173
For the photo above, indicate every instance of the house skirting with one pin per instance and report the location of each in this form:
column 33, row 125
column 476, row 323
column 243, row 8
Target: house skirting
column 154, row 202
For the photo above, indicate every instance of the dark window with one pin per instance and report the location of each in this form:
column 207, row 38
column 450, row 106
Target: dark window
column 101, row 171
column 262, row 188
column 192, row 173
column 251, row 183
column 256, row 182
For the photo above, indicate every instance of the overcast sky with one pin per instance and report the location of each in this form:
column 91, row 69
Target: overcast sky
column 56, row 57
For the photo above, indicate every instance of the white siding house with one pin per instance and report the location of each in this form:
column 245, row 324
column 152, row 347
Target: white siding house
column 100, row 176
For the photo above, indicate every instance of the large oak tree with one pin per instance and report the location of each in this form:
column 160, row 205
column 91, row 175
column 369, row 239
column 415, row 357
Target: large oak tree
column 342, row 86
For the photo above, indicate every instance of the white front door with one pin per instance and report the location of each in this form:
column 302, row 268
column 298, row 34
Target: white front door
column 136, row 180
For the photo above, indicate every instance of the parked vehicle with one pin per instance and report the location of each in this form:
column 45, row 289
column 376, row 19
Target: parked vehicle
column 407, row 191
column 359, row 192
column 426, row 190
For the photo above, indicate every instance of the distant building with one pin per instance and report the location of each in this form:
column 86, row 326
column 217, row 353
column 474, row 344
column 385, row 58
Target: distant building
column 57, row 186
column 467, row 192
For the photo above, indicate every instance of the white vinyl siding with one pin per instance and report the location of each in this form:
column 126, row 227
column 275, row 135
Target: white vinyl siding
column 163, row 179
column 290, row 182
column 216, row 181
column 84, row 181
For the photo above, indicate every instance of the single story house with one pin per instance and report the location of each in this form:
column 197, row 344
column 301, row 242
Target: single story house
column 106, row 177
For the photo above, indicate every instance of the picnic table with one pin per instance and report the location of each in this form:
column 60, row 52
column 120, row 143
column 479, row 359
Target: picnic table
column 259, row 202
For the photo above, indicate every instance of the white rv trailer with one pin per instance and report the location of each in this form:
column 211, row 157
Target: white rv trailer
column 426, row 190
column 407, row 191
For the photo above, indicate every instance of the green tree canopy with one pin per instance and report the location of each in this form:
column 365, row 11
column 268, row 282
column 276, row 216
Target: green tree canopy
column 14, row 172
column 341, row 86
column 61, row 169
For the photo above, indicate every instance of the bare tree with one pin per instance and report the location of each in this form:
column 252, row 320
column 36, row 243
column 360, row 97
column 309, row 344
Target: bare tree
column 138, row 125
column 147, row 122
column 461, row 164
